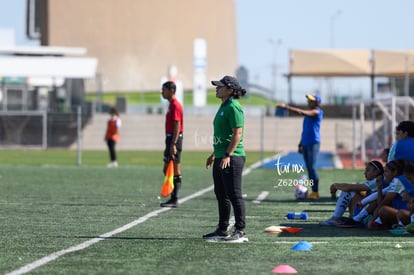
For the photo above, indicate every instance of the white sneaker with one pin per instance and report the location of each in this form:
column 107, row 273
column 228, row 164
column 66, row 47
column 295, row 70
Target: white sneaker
column 238, row 236
column 113, row 164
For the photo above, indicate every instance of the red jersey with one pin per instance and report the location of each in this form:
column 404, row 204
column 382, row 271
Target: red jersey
column 174, row 113
column 112, row 131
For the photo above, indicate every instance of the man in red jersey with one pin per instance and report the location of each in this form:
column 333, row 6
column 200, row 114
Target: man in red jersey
column 173, row 139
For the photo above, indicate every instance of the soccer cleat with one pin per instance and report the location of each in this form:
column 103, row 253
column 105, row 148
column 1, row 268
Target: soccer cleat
column 313, row 195
column 238, row 236
column 329, row 222
column 216, row 235
column 171, row 203
column 349, row 223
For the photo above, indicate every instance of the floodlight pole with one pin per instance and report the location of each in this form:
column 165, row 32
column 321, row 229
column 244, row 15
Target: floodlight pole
column 275, row 43
column 332, row 45
column 332, row 27
column 44, row 131
column 79, row 136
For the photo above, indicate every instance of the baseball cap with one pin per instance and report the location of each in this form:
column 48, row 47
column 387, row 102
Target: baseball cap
column 227, row 81
column 312, row 97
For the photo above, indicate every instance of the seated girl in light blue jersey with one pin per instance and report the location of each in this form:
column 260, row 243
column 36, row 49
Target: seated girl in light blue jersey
column 390, row 197
column 405, row 215
column 386, row 196
column 350, row 192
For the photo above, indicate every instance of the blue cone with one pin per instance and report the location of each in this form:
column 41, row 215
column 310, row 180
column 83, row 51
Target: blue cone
column 302, row 246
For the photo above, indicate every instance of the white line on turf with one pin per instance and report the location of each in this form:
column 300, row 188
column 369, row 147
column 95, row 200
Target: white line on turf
column 261, row 197
column 365, row 242
column 384, row 242
column 86, row 244
column 55, row 255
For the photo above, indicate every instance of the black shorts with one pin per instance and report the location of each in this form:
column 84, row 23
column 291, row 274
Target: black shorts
column 168, row 140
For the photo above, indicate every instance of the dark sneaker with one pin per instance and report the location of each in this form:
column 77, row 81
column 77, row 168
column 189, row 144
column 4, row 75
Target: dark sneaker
column 216, row 235
column 238, row 236
column 373, row 225
column 348, row 223
column 170, row 203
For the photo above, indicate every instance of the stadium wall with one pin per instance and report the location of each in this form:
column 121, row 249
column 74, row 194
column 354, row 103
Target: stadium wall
column 136, row 41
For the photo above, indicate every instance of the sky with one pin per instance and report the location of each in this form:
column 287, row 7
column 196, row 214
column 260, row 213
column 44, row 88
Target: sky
column 268, row 29
column 305, row 24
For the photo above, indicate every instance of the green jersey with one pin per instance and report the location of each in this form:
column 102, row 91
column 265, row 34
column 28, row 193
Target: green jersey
column 229, row 115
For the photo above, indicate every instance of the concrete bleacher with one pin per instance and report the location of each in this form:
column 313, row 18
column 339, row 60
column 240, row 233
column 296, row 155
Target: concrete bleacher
column 267, row 133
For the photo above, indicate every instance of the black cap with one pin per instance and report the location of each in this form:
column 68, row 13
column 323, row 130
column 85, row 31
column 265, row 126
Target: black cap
column 227, row 81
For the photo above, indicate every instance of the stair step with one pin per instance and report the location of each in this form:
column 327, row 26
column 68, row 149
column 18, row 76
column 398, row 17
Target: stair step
column 146, row 132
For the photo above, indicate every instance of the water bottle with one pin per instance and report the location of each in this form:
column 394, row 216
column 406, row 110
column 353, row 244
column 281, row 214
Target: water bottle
column 297, row 216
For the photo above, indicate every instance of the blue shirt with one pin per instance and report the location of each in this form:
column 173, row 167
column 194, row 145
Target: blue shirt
column 402, row 149
column 311, row 129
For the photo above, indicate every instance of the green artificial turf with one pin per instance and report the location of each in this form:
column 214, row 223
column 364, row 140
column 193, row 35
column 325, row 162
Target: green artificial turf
column 154, row 98
column 48, row 208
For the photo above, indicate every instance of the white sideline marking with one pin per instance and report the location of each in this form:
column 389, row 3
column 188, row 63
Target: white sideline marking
column 55, row 255
column 261, row 197
column 365, row 242
column 387, row 242
column 86, row 244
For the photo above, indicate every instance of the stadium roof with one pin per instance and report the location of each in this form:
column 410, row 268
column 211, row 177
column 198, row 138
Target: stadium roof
column 351, row 63
column 67, row 67
column 42, row 50
column 46, row 62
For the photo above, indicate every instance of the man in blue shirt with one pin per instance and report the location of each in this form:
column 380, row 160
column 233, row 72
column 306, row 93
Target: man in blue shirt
column 310, row 142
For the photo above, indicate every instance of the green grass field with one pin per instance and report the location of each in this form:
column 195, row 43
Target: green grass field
column 49, row 204
column 150, row 98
